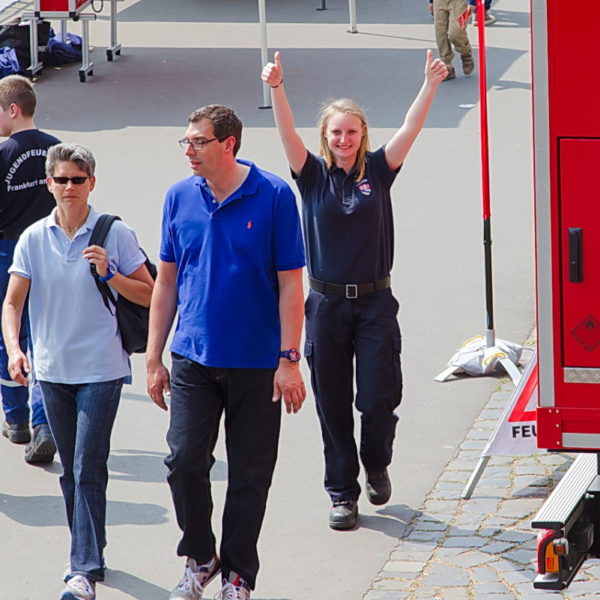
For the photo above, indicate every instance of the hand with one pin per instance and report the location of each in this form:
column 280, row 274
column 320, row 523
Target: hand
column 288, row 385
column 431, row 7
column 158, row 381
column 18, row 366
column 272, row 74
column 97, row 255
column 435, row 70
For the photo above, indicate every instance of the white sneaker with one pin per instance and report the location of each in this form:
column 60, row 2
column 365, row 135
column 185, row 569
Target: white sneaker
column 234, row 588
column 195, row 578
column 79, row 588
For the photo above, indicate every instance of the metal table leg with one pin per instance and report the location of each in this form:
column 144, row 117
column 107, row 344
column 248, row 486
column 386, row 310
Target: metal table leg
column 115, row 47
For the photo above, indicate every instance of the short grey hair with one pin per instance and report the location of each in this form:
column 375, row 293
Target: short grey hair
column 80, row 155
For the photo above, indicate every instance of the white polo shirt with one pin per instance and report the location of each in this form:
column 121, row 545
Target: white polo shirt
column 75, row 338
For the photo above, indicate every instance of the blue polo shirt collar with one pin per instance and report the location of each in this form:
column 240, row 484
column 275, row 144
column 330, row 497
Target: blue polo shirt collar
column 248, row 187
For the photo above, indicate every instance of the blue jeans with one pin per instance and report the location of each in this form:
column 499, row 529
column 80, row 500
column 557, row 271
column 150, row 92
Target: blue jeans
column 81, row 418
column 15, row 397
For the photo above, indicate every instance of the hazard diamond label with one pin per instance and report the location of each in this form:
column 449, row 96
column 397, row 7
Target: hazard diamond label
column 587, row 333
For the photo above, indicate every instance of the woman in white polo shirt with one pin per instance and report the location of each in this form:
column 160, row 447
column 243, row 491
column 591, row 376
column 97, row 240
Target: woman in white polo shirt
column 80, row 360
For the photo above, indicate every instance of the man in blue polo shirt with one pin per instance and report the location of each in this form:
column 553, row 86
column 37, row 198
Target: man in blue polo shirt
column 231, row 263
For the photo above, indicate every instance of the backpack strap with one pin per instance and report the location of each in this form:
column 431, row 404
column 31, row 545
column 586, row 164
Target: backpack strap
column 98, row 238
column 101, row 229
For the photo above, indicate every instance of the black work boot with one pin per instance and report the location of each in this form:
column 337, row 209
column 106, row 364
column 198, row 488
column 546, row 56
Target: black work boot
column 17, row 433
column 343, row 514
column 378, row 487
column 42, row 447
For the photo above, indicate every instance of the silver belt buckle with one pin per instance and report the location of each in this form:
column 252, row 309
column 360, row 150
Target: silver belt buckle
column 351, row 291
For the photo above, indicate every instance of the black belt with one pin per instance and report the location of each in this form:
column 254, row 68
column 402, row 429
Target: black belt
column 349, row 290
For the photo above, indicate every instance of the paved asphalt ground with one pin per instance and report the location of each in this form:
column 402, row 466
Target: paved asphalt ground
column 425, row 543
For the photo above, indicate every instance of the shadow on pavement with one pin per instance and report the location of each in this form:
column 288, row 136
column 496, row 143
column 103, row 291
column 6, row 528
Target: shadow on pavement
column 175, row 81
column 393, row 520
column 148, row 467
column 282, row 11
column 49, row 511
column 133, row 586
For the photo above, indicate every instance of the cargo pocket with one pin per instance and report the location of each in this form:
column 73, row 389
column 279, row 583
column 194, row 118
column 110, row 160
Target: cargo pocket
column 397, row 366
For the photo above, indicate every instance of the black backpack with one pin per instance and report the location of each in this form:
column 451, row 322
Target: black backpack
column 132, row 318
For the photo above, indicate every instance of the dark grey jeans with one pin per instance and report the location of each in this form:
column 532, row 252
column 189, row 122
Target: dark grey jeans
column 199, row 395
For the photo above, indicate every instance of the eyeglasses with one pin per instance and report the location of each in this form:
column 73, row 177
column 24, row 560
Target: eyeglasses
column 196, row 144
column 75, row 180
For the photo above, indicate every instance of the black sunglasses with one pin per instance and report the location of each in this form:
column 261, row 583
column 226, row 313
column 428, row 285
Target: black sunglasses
column 75, row 180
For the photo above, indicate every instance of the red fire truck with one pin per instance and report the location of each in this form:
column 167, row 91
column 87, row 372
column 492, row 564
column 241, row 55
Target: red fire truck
column 566, row 96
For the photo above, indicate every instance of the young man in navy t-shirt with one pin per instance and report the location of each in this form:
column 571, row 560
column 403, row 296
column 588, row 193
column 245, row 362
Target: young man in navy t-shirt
column 24, row 199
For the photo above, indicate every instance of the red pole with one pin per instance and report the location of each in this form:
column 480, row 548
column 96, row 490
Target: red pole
column 485, row 164
column 485, row 179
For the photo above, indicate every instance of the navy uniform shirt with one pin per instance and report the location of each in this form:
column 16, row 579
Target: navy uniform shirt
column 348, row 224
column 24, row 196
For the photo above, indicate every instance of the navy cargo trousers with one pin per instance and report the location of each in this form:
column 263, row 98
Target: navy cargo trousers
column 343, row 334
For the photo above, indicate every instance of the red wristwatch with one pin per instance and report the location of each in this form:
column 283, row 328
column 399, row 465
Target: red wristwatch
column 292, row 355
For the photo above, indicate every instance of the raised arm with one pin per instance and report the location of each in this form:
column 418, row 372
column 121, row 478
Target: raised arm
column 293, row 145
column 397, row 148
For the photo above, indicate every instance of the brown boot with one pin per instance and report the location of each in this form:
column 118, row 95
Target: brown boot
column 468, row 64
column 451, row 73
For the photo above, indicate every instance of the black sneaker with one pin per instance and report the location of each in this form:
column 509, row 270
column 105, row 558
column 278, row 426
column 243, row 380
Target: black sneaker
column 17, row 433
column 42, row 447
column 378, row 487
column 343, row 514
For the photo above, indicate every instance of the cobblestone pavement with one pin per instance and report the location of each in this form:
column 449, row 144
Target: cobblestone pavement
column 482, row 548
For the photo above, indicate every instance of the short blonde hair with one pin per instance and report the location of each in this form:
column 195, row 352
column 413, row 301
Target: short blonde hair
column 16, row 89
column 345, row 106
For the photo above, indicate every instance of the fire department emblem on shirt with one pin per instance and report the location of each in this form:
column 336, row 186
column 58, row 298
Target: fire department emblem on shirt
column 364, row 187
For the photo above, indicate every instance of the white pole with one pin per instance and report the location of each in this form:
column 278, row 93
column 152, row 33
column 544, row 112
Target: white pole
column 352, row 7
column 264, row 50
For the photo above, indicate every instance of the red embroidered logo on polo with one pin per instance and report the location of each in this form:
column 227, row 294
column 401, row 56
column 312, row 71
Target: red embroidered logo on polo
column 364, row 187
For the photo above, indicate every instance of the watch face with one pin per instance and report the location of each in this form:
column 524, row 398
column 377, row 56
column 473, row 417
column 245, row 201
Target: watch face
column 292, row 355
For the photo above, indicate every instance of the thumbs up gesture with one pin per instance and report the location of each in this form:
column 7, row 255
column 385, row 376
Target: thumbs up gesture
column 272, row 73
column 435, row 70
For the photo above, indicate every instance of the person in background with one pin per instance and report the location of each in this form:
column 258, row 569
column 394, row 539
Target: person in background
column 231, row 260
column 489, row 18
column 24, row 199
column 350, row 309
column 450, row 24
column 80, row 361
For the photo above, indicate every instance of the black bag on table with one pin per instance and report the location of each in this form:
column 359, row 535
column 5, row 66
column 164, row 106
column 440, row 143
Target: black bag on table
column 133, row 319
column 16, row 36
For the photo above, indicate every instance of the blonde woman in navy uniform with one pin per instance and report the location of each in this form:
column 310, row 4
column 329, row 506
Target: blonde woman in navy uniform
column 350, row 310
